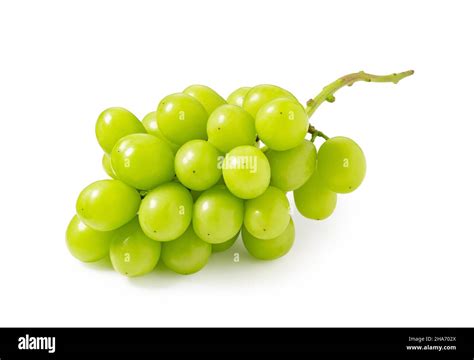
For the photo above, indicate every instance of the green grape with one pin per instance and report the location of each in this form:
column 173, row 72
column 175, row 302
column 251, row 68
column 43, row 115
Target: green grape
column 135, row 253
column 269, row 249
column 85, row 243
column 206, row 96
column 217, row 215
column 314, row 200
column 261, row 94
column 165, row 212
column 107, row 166
column 292, row 168
column 246, row 172
column 225, row 245
column 143, row 161
column 341, row 164
column 230, row 126
column 107, row 204
column 151, row 126
column 113, row 124
column 187, row 254
column 268, row 215
column 181, row 118
column 282, row 124
column 237, row 97
column 196, row 165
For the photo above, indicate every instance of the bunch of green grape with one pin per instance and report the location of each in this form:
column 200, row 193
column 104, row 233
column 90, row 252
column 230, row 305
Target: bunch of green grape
column 199, row 171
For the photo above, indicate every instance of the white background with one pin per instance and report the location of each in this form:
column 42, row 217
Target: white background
column 397, row 252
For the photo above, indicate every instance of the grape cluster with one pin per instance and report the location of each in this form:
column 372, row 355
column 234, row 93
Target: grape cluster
column 199, row 171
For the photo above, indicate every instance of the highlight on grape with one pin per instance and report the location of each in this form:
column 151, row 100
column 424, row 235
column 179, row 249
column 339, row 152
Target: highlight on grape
column 201, row 172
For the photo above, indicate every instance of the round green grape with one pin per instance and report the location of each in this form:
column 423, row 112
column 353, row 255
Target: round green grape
column 217, row 215
column 196, row 164
column 268, row 215
column 151, row 126
column 269, row 249
column 107, row 204
column 107, row 166
column 230, row 126
column 314, row 200
column 187, row 254
column 261, row 94
column 85, row 243
column 143, row 161
column 115, row 123
column 165, row 212
column 292, row 168
column 237, row 97
column 134, row 254
column 206, row 96
column 282, row 124
column 341, row 164
column 181, row 118
column 225, row 245
column 246, row 172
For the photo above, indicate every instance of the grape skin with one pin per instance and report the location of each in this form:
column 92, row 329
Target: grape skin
column 151, row 126
column 269, row 249
column 341, row 164
column 206, row 96
column 225, row 245
column 268, row 215
column 143, row 161
column 237, row 96
column 134, row 254
column 230, row 126
column 85, row 243
column 246, row 172
column 292, row 168
column 262, row 94
column 314, row 200
column 282, row 124
column 107, row 204
column 187, row 254
column 107, row 166
column 196, row 165
column 217, row 215
column 181, row 118
column 165, row 212
column 115, row 123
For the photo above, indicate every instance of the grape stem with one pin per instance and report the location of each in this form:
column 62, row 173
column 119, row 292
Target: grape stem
column 316, row 133
column 327, row 94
